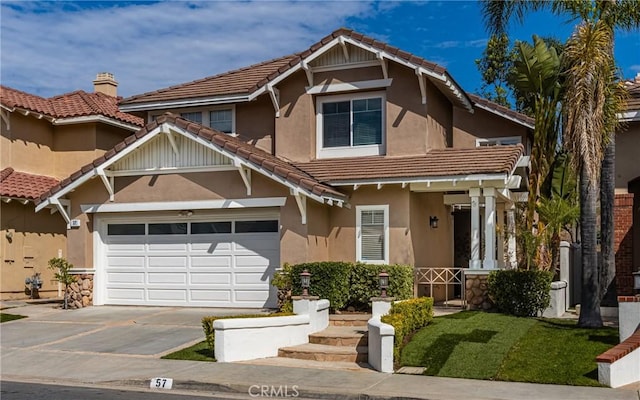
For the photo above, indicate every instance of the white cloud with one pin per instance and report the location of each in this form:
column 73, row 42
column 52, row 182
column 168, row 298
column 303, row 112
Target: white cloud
column 634, row 68
column 51, row 48
column 447, row 44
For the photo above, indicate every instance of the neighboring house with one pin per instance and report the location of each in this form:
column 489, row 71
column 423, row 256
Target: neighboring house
column 351, row 150
column 43, row 141
column 627, row 201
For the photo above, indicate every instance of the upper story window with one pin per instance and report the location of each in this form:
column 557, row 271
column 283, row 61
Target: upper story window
column 498, row 141
column 351, row 125
column 219, row 118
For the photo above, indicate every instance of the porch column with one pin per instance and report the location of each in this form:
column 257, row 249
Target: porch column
column 500, row 236
column 475, row 263
column 511, row 240
column 489, row 228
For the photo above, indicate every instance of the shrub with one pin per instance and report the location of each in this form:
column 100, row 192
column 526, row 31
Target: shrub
column 523, row 293
column 406, row 317
column 343, row 283
column 210, row 333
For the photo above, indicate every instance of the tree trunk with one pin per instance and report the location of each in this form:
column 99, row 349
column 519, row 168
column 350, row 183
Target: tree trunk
column 590, row 301
column 607, row 198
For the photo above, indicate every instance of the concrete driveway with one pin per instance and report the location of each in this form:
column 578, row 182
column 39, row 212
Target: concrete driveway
column 123, row 330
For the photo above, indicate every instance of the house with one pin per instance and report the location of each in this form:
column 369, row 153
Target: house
column 44, row 140
column 350, row 150
column 627, row 198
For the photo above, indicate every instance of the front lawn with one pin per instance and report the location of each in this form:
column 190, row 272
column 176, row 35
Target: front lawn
column 480, row 345
column 197, row 352
column 10, row 317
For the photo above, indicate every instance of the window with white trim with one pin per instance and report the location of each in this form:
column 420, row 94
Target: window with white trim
column 372, row 234
column 350, row 125
column 219, row 118
column 498, row 141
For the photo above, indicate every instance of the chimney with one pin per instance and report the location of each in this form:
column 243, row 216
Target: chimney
column 105, row 83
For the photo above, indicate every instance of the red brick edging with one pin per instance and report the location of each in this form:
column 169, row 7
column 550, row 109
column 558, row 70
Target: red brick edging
column 614, row 354
column 629, row 299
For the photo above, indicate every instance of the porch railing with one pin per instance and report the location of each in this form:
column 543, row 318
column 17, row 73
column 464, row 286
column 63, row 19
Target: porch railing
column 449, row 277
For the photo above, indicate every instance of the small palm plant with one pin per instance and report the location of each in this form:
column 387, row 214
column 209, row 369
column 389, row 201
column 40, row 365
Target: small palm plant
column 62, row 274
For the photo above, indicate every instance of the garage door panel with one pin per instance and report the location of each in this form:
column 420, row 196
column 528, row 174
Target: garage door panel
column 167, row 262
column 125, row 262
column 125, row 277
column 167, row 246
column 197, row 278
column 223, row 296
column 213, row 262
column 251, row 278
column 167, row 294
column 255, row 242
column 176, row 278
column 129, row 294
column 125, row 247
column 251, row 295
column 252, row 262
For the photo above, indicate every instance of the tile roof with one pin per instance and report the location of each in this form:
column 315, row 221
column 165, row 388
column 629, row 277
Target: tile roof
column 525, row 119
column 68, row 105
column 249, row 79
column 246, row 151
column 436, row 163
column 22, row 185
column 633, row 102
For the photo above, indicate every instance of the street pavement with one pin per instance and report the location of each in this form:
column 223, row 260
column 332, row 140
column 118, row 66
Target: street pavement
column 112, row 346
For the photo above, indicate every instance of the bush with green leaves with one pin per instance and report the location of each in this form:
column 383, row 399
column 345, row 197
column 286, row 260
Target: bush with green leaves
column 523, row 293
column 346, row 284
column 407, row 317
column 62, row 273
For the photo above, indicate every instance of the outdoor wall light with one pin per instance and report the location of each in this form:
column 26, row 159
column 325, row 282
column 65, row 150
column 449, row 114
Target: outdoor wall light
column 433, row 222
column 305, row 282
column 383, row 280
column 636, row 280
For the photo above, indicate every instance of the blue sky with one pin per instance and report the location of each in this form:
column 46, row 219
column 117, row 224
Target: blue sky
column 49, row 48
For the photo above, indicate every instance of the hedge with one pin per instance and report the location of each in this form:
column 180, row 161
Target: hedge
column 346, row 284
column 523, row 293
column 406, row 317
column 210, row 334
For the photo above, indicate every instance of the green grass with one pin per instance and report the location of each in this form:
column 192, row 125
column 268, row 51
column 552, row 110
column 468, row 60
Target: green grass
column 197, row 352
column 493, row 346
column 10, row 317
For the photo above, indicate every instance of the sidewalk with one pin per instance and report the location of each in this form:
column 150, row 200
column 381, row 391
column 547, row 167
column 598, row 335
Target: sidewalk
column 135, row 371
column 104, row 346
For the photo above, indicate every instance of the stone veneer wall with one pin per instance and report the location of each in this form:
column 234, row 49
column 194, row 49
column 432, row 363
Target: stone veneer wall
column 623, row 243
column 81, row 291
column 476, row 292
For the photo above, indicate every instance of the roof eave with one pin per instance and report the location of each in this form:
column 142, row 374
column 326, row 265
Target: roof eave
column 193, row 102
column 96, row 118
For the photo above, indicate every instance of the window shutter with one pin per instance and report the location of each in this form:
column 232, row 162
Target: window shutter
column 372, row 235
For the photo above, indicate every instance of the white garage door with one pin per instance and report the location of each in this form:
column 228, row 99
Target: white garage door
column 209, row 263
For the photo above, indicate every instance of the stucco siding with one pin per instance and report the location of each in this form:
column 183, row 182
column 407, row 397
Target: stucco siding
column 256, row 122
column 432, row 247
column 468, row 127
column 34, row 240
column 27, row 146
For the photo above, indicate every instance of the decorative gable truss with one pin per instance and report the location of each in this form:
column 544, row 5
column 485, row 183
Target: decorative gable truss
column 173, row 146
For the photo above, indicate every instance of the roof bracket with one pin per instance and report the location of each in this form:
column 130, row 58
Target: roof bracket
column 308, row 71
column 301, row 201
column 383, row 64
column 356, row 186
column 404, row 184
column 275, row 99
column 172, row 140
column 245, row 174
column 4, row 114
column 379, row 186
column 108, row 182
column 63, row 206
column 345, row 51
column 423, row 88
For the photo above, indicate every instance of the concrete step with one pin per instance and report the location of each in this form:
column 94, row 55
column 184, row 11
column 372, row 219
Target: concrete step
column 323, row 352
column 349, row 319
column 298, row 363
column 352, row 336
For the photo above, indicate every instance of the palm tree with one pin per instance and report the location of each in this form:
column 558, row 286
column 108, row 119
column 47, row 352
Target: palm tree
column 591, row 102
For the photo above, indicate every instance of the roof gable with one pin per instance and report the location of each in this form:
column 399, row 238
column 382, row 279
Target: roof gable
column 68, row 105
column 240, row 153
column 250, row 82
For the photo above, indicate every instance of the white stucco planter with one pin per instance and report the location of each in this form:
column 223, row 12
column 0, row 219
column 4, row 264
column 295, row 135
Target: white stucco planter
column 381, row 337
column 557, row 304
column 251, row 338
